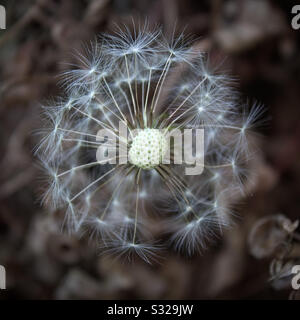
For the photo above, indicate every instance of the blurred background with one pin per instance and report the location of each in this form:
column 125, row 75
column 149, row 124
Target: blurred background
column 256, row 43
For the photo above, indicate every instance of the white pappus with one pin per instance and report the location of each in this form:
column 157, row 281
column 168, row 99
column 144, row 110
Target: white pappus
column 146, row 82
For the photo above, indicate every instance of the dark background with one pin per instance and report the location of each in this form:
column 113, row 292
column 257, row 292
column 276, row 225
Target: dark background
column 259, row 46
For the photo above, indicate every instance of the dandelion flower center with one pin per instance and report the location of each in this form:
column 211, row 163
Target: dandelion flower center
column 148, row 148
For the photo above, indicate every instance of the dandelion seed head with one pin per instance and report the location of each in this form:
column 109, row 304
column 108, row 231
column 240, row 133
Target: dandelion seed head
column 152, row 85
